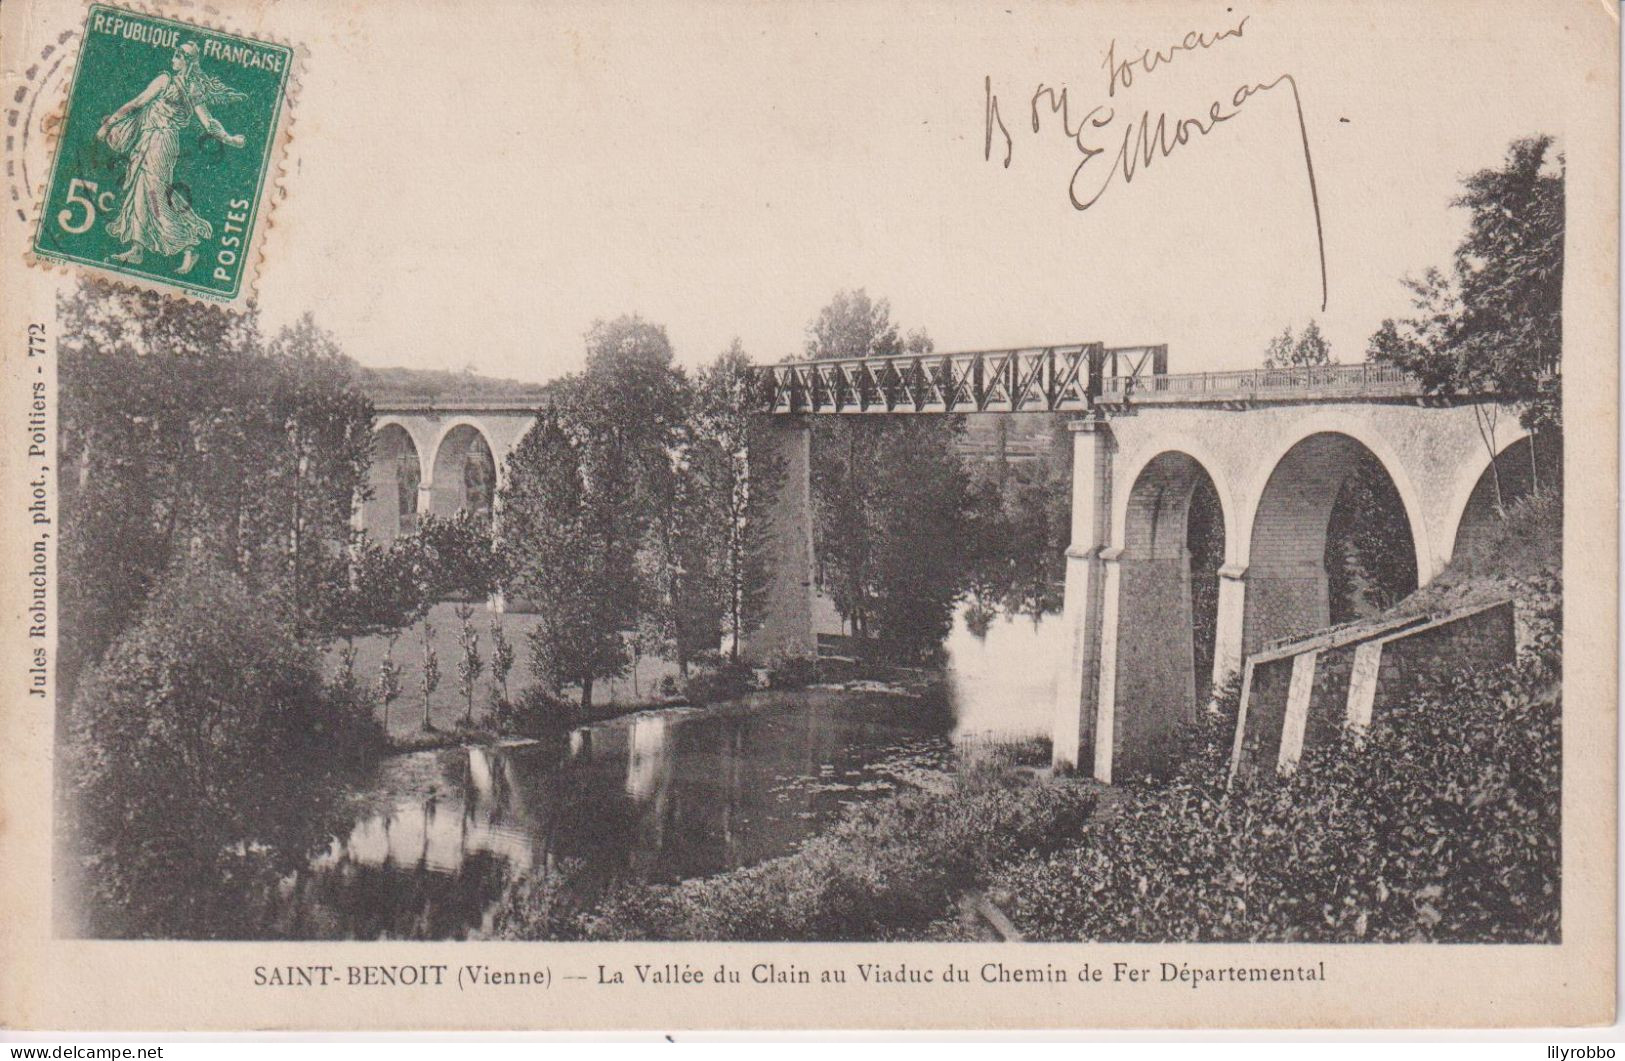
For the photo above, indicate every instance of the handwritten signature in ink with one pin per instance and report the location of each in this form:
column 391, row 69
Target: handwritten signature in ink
column 1144, row 139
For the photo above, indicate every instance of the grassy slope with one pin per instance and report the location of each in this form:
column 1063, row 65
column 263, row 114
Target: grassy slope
column 1521, row 561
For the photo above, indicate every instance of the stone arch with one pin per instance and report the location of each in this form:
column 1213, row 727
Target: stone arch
column 396, row 472
column 465, row 471
column 1209, row 464
column 1472, row 497
column 1287, row 586
column 1361, row 431
column 1159, row 594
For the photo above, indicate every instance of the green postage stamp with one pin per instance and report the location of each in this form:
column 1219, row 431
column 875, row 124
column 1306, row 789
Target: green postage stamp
column 166, row 153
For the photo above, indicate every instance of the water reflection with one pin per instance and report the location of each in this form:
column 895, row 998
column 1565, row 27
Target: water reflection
column 1001, row 676
column 435, row 836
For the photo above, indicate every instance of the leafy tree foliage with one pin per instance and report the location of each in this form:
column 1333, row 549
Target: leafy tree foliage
column 682, row 606
column 583, row 487
column 178, row 752
column 186, row 436
column 891, row 498
column 389, row 589
column 1305, row 351
column 1020, row 522
column 1494, row 323
column 455, row 556
column 556, row 558
column 392, row 587
column 635, row 511
column 741, row 477
column 578, row 510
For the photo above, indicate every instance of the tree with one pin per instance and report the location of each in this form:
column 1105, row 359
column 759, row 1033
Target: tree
column 1494, row 324
column 390, row 588
column 682, row 611
column 1306, row 351
column 127, row 449
column 572, row 534
column 502, row 656
column 890, row 495
column 310, row 489
column 470, row 664
column 388, row 686
column 178, row 754
column 255, row 465
column 458, row 556
column 431, row 672
column 741, row 477
column 917, row 552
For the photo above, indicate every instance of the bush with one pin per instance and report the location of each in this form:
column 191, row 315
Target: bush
column 793, row 672
column 348, row 723
column 190, row 756
column 537, row 713
column 729, row 681
column 886, row 868
column 1442, row 825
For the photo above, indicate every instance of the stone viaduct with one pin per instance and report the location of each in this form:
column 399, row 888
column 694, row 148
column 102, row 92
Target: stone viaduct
column 1274, row 446
column 1276, row 468
column 439, row 456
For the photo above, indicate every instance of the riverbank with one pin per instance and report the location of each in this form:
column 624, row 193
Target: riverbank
column 890, row 869
column 1314, row 857
column 1441, row 824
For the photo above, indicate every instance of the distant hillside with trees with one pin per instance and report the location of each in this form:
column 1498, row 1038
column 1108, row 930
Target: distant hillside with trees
column 439, row 384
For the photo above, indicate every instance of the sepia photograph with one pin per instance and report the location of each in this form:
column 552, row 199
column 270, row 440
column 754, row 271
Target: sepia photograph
column 969, row 478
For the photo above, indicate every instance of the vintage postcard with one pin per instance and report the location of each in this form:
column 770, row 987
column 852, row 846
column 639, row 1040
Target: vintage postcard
column 717, row 514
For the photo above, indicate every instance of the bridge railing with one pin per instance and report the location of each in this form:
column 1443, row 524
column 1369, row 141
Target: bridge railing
column 1365, row 378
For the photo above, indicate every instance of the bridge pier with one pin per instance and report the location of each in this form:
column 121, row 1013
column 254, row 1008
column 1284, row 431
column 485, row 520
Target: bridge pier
column 1078, row 683
column 1229, row 624
column 1127, row 678
column 1155, row 665
column 1285, row 599
column 787, row 623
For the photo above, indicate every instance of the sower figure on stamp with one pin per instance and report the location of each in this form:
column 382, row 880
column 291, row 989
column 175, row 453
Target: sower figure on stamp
column 155, row 212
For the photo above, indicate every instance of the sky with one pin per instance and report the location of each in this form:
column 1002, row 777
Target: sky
column 473, row 184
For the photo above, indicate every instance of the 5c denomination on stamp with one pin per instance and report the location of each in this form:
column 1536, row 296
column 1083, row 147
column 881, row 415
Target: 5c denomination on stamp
column 166, row 154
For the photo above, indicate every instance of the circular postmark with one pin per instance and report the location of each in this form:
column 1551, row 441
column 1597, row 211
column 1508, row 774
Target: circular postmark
column 33, row 122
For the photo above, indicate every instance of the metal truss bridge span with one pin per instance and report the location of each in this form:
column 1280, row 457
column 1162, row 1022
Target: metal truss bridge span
column 1076, row 377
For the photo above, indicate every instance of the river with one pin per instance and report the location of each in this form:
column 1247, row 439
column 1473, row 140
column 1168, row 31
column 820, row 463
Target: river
column 435, row 836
